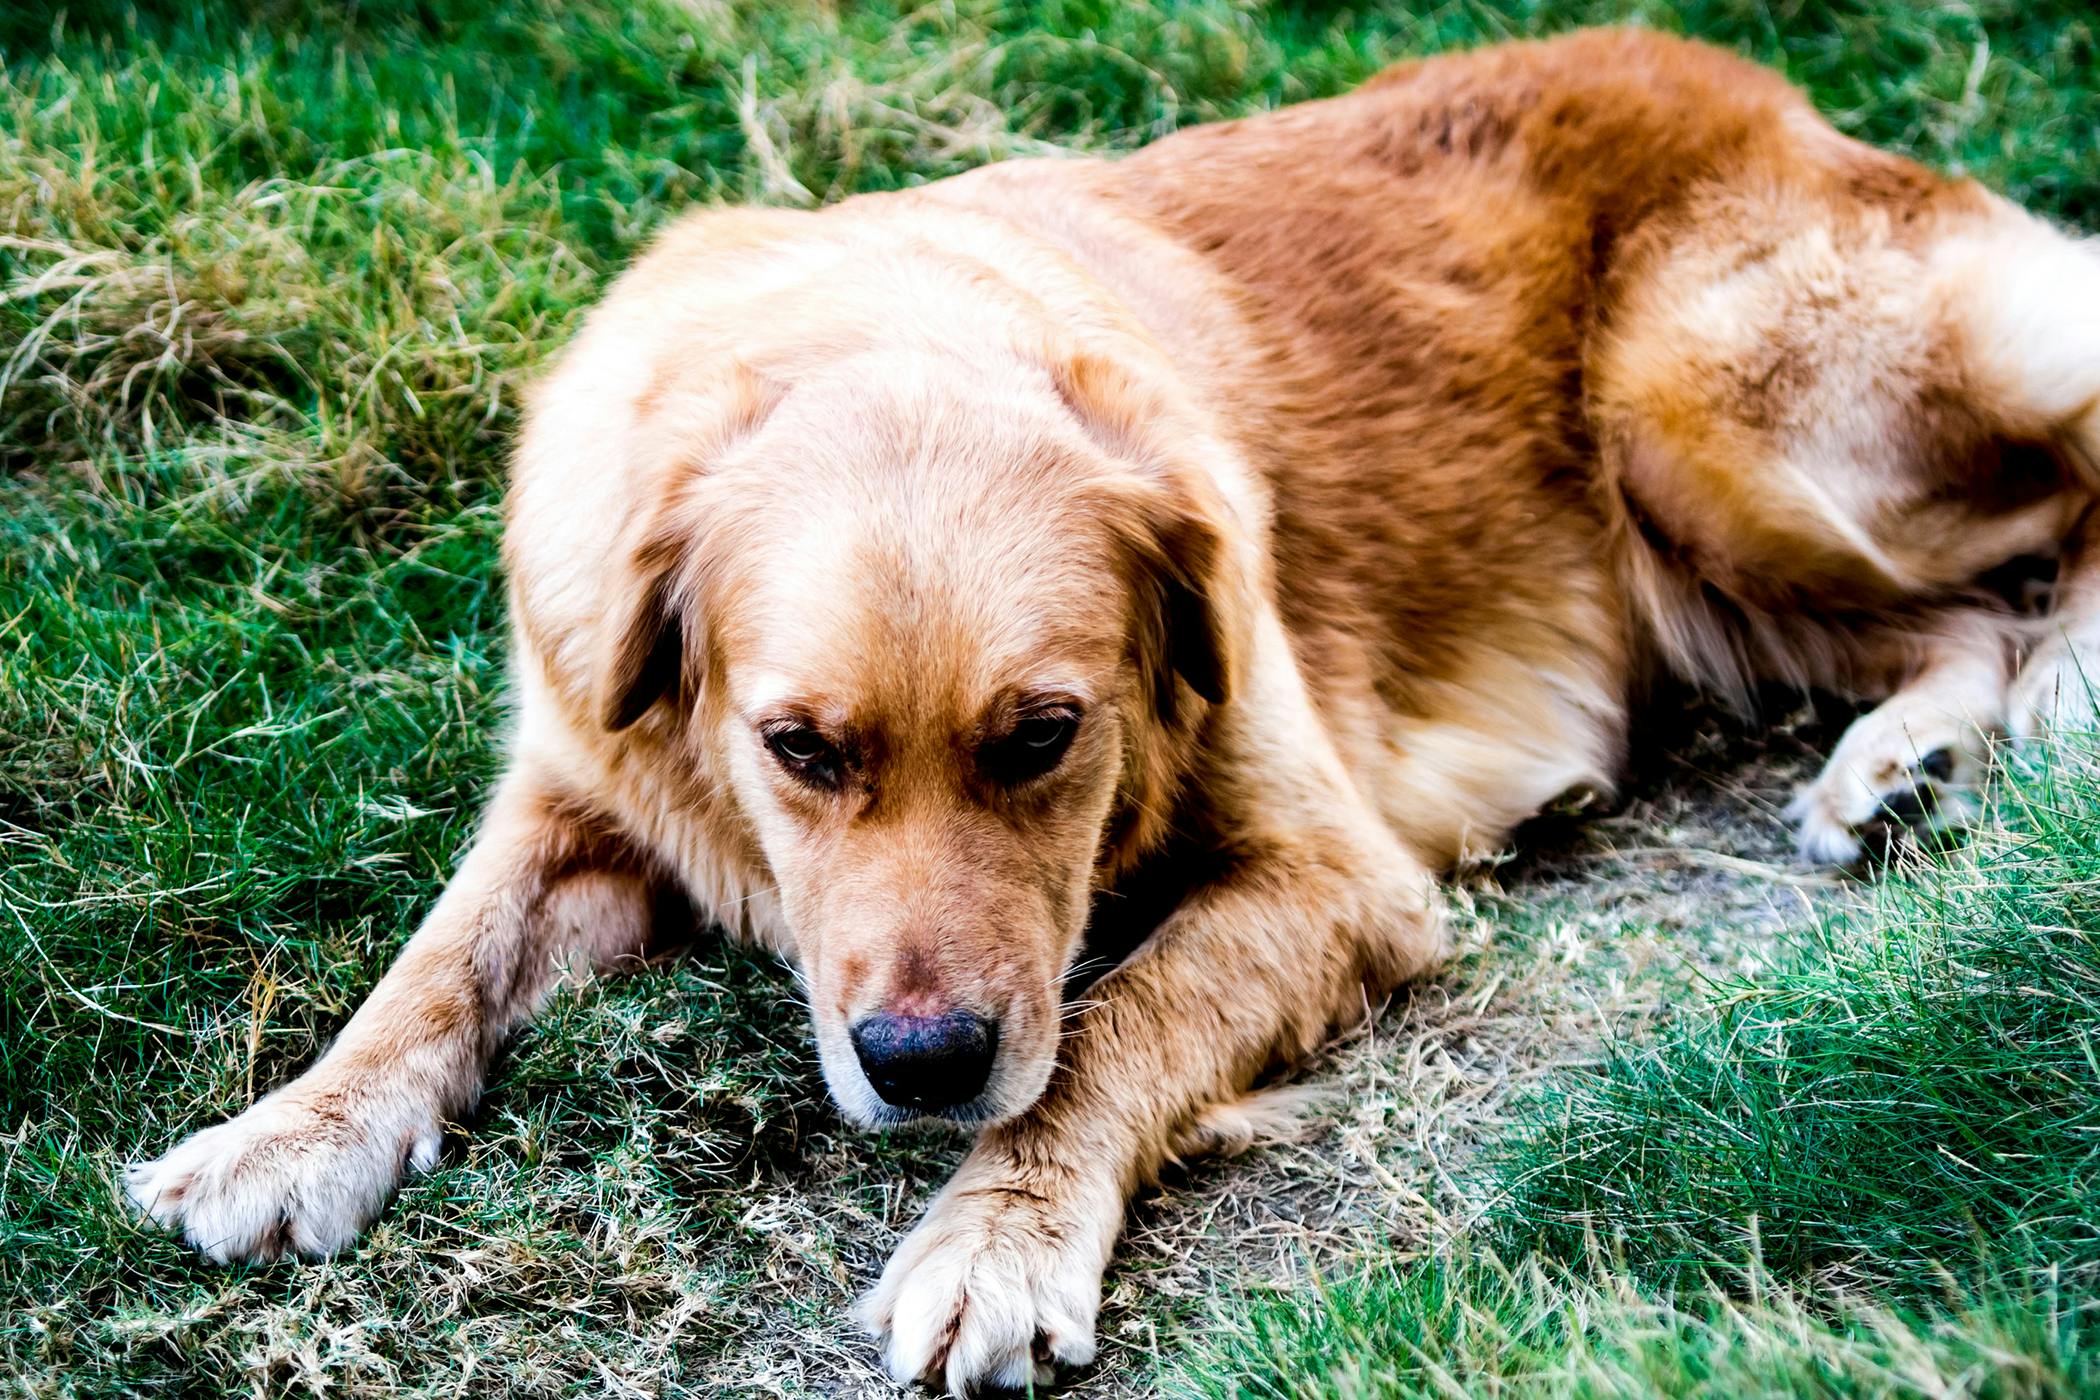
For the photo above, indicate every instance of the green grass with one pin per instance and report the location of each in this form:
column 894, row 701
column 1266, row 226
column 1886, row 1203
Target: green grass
column 271, row 277
column 1873, row 1172
column 1921, row 1088
column 1454, row 1329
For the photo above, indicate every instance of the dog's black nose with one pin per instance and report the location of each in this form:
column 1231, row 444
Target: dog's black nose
column 926, row 1063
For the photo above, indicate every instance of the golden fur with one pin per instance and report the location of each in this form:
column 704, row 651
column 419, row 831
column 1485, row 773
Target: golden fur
column 1348, row 473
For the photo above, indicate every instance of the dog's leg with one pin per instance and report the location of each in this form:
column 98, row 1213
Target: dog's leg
column 1003, row 1275
column 2058, row 687
column 306, row 1168
column 1918, row 757
column 2028, row 302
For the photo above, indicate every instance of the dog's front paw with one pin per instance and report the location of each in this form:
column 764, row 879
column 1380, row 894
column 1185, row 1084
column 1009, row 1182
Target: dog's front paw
column 996, row 1286
column 1898, row 768
column 300, row 1173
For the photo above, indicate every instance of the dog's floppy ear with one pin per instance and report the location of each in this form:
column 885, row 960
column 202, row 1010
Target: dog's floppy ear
column 647, row 660
column 655, row 629
column 1181, row 626
column 1173, row 520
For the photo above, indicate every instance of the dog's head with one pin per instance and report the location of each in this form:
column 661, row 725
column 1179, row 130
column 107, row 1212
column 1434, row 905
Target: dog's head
column 939, row 621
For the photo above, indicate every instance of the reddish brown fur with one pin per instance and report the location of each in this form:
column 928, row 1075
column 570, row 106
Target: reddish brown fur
column 1349, row 471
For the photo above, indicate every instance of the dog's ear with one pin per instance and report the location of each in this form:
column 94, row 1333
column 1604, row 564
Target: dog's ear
column 1173, row 520
column 656, row 628
column 1181, row 627
column 647, row 661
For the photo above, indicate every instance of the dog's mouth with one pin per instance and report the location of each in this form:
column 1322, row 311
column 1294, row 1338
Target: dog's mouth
column 869, row 1107
column 977, row 1113
column 876, row 1114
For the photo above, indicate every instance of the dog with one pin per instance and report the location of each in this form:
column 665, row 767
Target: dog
column 1245, row 530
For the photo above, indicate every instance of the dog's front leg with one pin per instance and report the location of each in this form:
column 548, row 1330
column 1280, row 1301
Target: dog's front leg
column 1003, row 1276
column 307, row 1167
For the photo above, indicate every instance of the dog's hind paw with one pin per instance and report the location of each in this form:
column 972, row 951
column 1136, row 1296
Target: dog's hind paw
column 1898, row 769
column 2058, row 690
column 296, row 1174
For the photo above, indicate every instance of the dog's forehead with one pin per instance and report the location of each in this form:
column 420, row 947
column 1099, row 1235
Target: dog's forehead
column 921, row 548
column 855, row 611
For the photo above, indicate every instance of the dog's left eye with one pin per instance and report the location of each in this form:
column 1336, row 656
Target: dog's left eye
column 1035, row 746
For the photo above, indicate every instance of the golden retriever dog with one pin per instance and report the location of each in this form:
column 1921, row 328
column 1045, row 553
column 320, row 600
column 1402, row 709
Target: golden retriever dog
column 1246, row 529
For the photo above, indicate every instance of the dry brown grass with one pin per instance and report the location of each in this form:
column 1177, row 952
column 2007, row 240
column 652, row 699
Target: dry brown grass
column 270, row 276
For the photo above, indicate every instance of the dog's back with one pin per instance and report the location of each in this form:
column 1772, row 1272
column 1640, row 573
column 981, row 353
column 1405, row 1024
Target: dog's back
column 1571, row 362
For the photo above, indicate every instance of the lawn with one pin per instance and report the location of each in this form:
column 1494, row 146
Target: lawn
column 1873, row 1169
column 1682, row 1115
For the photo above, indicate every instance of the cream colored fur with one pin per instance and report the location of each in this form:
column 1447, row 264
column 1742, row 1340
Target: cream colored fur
column 1333, row 484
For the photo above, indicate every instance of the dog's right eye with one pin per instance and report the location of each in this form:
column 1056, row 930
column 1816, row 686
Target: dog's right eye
column 806, row 754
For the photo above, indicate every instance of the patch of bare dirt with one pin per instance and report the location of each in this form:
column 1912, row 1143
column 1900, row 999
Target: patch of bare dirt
column 1597, row 924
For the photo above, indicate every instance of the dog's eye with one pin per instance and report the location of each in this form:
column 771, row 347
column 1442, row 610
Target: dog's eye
column 1036, row 745
column 806, row 754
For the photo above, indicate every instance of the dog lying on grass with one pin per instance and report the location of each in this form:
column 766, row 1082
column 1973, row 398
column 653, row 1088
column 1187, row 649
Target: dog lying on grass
column 1284, row 512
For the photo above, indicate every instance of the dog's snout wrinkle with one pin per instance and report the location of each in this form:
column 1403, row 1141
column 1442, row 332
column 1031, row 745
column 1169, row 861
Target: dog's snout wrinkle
column 926, row 1063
